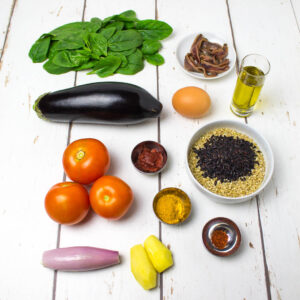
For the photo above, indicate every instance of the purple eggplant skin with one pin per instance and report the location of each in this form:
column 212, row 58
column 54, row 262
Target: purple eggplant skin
column 112, row 103
column 79, row 258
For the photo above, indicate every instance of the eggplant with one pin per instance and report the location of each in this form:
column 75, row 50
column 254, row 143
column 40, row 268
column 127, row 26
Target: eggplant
column 112, row 103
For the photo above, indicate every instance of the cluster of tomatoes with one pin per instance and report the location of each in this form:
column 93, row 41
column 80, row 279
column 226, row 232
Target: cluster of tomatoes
column 85, row 161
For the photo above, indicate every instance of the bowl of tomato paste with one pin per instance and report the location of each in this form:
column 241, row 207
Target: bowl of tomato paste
column 149, row 157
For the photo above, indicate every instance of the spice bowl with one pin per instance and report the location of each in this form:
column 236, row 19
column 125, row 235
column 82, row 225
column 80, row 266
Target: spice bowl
column 172, row 206
column 263, row 148
column 221, row 236
column 149, row 157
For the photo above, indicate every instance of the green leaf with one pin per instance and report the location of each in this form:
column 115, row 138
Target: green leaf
column 39, row 50
column 118, row 25
column 135, row 64
column 108, row 32
column 72, row 35
column 71, row 42
column 97, row 21
column 125, row 52
column 86, row 66
column 107, row 20
column 150, row 47
column 106, row 66
column 129, row 25
column 70, row 59
column 125, row 40
column 74, row 28
column 122, row 56
column 155, row 59
column 127, row 16
column 52, row 68
column 98, row 44
column 153, row 29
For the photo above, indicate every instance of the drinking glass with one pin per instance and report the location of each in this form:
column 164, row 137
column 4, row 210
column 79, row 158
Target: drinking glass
column 253, row 71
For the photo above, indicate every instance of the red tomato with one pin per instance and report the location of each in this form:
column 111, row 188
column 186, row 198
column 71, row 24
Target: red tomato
column 67, row 203
column 86, row 160
column 111, row 197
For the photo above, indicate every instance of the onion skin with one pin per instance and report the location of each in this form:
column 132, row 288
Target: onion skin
column 79, row 258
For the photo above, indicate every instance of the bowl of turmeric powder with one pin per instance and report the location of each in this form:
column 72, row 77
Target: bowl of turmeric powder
column 172, row 205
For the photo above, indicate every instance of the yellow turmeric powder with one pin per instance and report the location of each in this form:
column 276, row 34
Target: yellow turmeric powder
column 171, row 208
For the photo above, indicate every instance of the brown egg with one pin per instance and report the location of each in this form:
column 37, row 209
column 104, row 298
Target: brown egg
column 191, row 102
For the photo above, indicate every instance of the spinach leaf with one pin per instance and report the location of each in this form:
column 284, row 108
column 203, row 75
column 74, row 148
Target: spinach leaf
column 155, row 59
column 52, row 49
column 107, row 20
column 98, row 44
column 127, row 16
column 86, row 66
column 71, row 42
column 125, row 40
column 39, row 50
column 125, row 52
column 106, row 66
column 75, row 27
column 52, row 68
column 70, row 59
column 118, row 25
column 123, row 58
column 72, row 35
column 135, row 64
column 97, row 21
column 108, row 32
column 153, row 29
column 129, row 25
column 151, row 47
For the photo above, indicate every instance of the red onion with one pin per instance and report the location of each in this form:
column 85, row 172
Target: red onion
column 79, row 258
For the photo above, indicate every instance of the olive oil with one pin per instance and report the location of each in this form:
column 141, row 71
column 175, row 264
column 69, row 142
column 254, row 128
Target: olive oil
column 248, row 87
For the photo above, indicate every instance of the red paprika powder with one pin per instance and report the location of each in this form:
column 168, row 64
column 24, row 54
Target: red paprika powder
column 219, row 238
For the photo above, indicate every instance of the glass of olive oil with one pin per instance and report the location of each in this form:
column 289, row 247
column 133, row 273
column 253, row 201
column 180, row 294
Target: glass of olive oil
column 253, row 71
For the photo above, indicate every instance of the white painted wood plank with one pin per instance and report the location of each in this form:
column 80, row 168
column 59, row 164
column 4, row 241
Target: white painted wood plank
column 196, row 273
column 31, row 152
column 278, row 118
column 116, row 282
column 6, row 6
column 296, row 9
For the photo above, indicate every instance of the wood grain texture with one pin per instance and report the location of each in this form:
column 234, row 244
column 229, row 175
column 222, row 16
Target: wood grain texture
column 276, row 117
column 31, row 154
column 6, row 11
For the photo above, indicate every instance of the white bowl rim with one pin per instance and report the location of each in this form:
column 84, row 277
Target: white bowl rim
column 270, row 158
column 197, row 75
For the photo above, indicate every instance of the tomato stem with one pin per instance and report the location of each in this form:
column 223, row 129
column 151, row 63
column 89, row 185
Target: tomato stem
column 106, row 198
column 80, row 154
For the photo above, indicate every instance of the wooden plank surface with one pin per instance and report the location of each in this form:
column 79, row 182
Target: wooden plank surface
column 277, row 118
column 267, row 265
column 197, row 272
column 31, row 153
column 5, row 16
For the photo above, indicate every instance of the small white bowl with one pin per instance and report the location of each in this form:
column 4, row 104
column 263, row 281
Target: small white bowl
column 184, row 47
column 257, row 138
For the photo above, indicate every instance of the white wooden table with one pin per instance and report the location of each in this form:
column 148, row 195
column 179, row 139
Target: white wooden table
column 268, row 263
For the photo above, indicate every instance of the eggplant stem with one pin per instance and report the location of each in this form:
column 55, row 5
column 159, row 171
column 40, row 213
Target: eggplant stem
column 36, row 107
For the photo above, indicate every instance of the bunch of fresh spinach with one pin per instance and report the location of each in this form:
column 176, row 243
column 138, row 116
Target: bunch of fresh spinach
column 117, row 44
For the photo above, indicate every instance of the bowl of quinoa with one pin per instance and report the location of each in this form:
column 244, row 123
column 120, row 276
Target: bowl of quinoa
column 229, row 161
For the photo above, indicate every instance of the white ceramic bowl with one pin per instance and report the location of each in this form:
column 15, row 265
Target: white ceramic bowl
column 184, row 47
column 258, row 139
